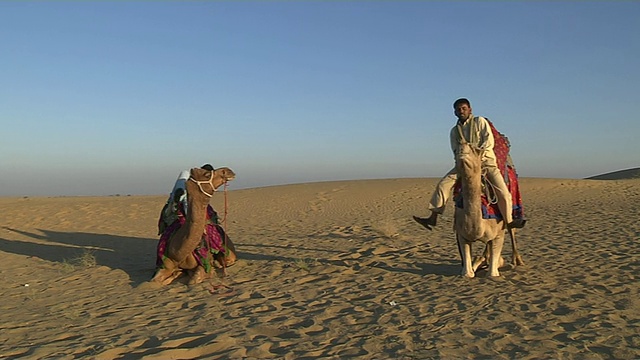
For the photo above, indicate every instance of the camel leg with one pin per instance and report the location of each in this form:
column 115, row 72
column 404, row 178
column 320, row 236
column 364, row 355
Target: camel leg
column 483, row 259
column 467, row 269
column 189, row 263
column 198, row 274
column 230, row 256
column 516, row 259
column 167, row 273
column 477, row 262
column 171, row 270
column 460, row 251
column 496, row 251
column 223, row 261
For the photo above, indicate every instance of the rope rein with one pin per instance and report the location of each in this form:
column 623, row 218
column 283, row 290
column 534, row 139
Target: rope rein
column 224, row 219
column 489, row 189
column 224, row 228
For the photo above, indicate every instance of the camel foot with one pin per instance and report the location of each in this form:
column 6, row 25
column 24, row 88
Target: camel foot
column 166, row 277
column 469, row 275
column 198, row 276
column 478, row 262
column 227, row 263
column 170, row 279
column 517, row 261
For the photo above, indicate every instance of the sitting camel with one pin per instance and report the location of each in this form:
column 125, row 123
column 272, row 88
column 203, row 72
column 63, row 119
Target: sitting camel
column 468, row 223
column 179, row 255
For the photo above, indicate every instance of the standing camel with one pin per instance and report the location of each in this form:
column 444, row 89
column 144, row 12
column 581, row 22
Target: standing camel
column 469, row 224
column 180, row 248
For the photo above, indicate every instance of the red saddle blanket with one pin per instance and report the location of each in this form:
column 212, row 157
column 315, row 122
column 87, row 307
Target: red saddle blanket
column 212, row 239
column 491, row 211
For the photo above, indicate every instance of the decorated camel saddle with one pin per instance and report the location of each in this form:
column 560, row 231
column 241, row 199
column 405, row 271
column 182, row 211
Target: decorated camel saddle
column 507, row 169
column 213, row 239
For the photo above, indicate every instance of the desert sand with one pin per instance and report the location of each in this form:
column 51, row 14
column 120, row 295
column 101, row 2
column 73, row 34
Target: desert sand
column 327, row 270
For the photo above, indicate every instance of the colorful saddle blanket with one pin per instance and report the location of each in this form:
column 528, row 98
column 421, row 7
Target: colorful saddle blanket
column 508, row 170
column 212, row 239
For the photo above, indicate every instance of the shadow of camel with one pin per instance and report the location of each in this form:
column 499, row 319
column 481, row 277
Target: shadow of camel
column 135, row 256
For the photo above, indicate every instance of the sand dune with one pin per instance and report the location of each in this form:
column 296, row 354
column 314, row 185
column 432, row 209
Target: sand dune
column 327, row 270
column 633, row 173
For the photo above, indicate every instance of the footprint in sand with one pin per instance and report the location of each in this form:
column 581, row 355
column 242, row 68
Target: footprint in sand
column 316, row 204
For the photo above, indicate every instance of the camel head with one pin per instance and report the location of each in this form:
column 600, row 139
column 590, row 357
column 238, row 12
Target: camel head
column 209, row 181
column 222, row 175
column 468, row 159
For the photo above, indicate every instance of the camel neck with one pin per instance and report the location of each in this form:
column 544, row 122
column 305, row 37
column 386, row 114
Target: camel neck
column 188, row 236
column 472, row 202
column 196, row 216
column 473, row 198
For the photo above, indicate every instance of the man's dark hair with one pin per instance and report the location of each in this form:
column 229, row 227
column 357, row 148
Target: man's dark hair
column 207, row 167
column 461, row 101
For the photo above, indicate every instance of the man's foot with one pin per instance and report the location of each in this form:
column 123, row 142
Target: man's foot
column 517, row 224
column 426, row 222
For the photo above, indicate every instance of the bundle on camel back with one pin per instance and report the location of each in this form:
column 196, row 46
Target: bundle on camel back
column 194, row 242
column 477, row 216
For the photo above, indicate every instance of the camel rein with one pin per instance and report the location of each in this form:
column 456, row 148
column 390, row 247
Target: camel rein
column 224, row 228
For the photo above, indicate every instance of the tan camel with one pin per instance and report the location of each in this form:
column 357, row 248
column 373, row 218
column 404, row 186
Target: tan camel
column 181, row 245
column 469, row 224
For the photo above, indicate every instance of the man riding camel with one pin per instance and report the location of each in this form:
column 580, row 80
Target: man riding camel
column 476, row 131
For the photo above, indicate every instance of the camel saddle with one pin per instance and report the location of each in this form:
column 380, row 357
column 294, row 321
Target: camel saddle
column 508, row 170
column 213, row 240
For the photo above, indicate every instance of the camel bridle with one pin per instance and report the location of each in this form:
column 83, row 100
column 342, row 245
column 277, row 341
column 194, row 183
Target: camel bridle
column 200, row 182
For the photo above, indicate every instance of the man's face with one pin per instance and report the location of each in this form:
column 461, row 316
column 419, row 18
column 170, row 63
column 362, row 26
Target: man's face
column 462, row 111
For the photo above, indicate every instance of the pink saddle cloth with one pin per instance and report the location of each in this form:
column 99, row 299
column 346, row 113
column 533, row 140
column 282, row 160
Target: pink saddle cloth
column 212, row 239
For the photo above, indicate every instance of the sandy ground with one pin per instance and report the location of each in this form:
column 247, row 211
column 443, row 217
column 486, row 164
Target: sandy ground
column 327, row 270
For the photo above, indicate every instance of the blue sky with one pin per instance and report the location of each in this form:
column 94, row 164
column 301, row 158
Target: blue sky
column 101, row 98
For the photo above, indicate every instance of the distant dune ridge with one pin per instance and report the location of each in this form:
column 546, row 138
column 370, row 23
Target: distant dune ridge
column 328, row 270
column 618, row 175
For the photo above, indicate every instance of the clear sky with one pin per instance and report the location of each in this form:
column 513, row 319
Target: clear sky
column 102, row 98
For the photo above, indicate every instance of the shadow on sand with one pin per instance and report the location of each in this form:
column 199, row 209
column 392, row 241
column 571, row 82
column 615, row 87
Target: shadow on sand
column 444, row 268
column 135, row 256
